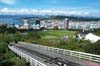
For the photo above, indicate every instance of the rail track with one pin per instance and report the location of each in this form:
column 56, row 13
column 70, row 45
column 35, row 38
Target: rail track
column 49, row 58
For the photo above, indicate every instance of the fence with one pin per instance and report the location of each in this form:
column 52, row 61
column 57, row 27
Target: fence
column 32, row 61
column 80, row 55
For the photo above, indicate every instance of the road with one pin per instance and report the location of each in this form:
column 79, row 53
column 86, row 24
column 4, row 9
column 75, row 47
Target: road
column 49, row 58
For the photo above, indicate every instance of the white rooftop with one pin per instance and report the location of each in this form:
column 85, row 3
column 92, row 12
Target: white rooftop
column 92, row 38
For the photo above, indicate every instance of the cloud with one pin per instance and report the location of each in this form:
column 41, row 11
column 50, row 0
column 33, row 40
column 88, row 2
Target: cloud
column 42, row 12
column 9, row 2
column 4, row 11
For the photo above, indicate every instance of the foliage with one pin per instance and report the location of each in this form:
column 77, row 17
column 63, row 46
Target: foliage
column 16, row 37
column 8, row 58
column 2, row 48
column 33, row 35
column 5, row 29
column 97, row 32
column 4, row 37
column 11, row 30
column 93, row 48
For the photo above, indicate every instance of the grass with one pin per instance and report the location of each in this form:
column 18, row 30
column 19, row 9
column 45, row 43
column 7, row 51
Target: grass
column 54, row 34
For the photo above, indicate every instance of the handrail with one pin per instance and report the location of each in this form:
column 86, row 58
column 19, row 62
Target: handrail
column 80, row 55
column 31, row 60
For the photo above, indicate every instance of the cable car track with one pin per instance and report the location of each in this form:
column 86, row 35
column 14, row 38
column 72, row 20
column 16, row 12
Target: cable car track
column 49, row 59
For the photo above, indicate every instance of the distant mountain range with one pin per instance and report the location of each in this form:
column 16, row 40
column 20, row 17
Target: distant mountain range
column 76, row 18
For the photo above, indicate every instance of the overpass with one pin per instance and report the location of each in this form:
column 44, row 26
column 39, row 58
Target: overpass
column 39, row 55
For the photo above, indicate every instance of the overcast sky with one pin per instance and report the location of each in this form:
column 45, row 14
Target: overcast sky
column 66, row 7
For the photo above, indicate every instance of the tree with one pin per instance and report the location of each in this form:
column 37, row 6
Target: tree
column 2, row 48
column 3, row 29
column 93, row 48
column 18, row 62
column 4, row 38
column 11, row 30
column 16, row 37
column 34, row 35
column 8, row 58
column 97, row 32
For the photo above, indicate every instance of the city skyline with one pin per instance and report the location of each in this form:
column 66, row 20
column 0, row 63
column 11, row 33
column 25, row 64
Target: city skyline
column 52, row 7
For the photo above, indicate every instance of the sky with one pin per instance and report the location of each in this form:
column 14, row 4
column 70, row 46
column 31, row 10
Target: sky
column 51, row 7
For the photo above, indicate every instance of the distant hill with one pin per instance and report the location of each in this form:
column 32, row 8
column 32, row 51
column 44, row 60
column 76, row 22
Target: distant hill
column 45, row 17
column 75, row 18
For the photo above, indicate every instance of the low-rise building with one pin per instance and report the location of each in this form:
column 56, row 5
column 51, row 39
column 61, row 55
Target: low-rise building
column 84, row 24
column 35, row 26
column 54, row 23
